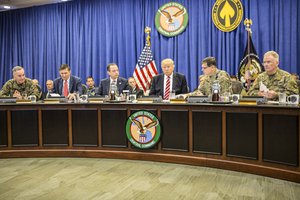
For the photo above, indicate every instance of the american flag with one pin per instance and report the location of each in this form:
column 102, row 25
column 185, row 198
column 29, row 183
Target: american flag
column 145, row 69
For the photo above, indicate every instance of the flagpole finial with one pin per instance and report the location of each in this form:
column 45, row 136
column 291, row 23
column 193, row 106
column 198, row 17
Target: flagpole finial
column 248, row 23
column 147, row 31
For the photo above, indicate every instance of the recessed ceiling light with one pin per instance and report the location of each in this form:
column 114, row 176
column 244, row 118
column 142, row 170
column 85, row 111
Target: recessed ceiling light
column 63, row 0
column 6, row 7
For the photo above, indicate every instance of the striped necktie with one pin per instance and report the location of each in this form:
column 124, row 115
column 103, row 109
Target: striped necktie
column 167, row 90
column 66, row 89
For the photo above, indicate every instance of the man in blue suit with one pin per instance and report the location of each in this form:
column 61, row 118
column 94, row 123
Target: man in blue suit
column 66, row 85
column 113, row 72
column 163, row 84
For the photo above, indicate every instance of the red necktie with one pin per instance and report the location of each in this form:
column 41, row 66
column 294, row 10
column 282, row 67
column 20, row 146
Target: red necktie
column 66, row 89
column 167, row 90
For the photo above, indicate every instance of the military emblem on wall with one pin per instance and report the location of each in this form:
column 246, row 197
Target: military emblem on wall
column 227, row 14
column 143, row 129
column 171, row 19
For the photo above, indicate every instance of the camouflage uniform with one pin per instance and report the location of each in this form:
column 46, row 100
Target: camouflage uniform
column 205, row 87
column 25, row 89
column 281, row 81
column 91, row 91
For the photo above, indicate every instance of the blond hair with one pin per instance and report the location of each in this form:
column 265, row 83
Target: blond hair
column 167, row 60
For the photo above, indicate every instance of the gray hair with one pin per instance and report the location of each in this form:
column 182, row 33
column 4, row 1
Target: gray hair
column 49, row 81
column 274, row 54
column 17, row 68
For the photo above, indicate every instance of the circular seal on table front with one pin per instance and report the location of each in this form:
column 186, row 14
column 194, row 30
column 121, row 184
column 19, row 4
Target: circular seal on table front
column 143, row 129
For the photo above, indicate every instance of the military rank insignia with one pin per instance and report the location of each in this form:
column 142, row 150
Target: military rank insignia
column 227, row 14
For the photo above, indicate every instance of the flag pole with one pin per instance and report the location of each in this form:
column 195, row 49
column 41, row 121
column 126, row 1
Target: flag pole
column 145, row 68
column 248, row 23
column 147, row 31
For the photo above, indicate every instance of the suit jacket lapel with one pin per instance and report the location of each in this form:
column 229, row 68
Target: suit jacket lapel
column 119, row 83
column 71, row 84
column 175, row 80
column 162, row 84
column 60, row 86
column 107, row 85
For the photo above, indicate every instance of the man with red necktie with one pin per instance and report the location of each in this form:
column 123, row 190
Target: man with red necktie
column 67, row 84
column 164, row 83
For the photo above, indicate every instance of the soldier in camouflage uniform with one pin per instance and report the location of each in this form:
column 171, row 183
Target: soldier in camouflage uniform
column 275, row 79
column 212, row 73
column 91, row 89
column 20, row 86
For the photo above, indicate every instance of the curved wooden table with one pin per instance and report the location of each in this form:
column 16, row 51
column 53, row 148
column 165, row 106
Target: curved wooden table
column 262, row 139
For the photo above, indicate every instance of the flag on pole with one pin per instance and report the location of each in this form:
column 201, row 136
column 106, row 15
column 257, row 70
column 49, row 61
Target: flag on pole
column 145, row 68
column 250, row 66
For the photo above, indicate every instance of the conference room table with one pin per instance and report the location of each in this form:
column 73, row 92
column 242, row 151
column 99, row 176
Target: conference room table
column 257, row 139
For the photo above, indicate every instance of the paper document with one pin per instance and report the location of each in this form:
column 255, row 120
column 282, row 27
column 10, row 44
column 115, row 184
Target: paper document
column 263, row 87
column 54, row 95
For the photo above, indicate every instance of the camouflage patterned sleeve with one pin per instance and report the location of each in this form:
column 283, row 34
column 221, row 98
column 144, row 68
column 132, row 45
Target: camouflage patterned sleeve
column 205, row 86
column 225, row 83
column 6, row 89
column 254, row 89
column 35, row 91
column 291, row 86
column 195, row 93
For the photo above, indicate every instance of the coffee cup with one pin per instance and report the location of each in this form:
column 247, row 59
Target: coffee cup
column 32, row 98
column 282, row 98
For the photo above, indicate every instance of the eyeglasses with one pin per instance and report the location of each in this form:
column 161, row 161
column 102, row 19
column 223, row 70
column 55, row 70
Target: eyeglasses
column 204, row 68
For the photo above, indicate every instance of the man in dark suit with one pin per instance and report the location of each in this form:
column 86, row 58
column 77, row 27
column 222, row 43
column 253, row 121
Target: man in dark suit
column 133, row 88
column 163, row 84
column 49, row 86
column 66, row 85
column 113, row 72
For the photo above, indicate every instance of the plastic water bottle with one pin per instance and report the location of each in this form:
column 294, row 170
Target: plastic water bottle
column 113, row 90
column 215, row 91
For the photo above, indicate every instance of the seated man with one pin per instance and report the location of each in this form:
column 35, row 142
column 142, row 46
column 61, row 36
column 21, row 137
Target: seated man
column 211, row 74
column 273, row 80
column 133, row 88
column 162, row 84
column 66, row 85
column 91, row 89
column 36, row 82
column 296, row 78
column 113, row 72
column 237, row 86
column 49, row 87
column 20, row 86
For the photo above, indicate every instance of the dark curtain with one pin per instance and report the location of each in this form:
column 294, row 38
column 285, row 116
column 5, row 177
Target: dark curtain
column 89, row 34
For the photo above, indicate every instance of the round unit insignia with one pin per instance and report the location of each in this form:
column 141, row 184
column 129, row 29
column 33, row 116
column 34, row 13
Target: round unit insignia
column 171, row 19
column 227, row 14
column 143, row 129
column 251, row 66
